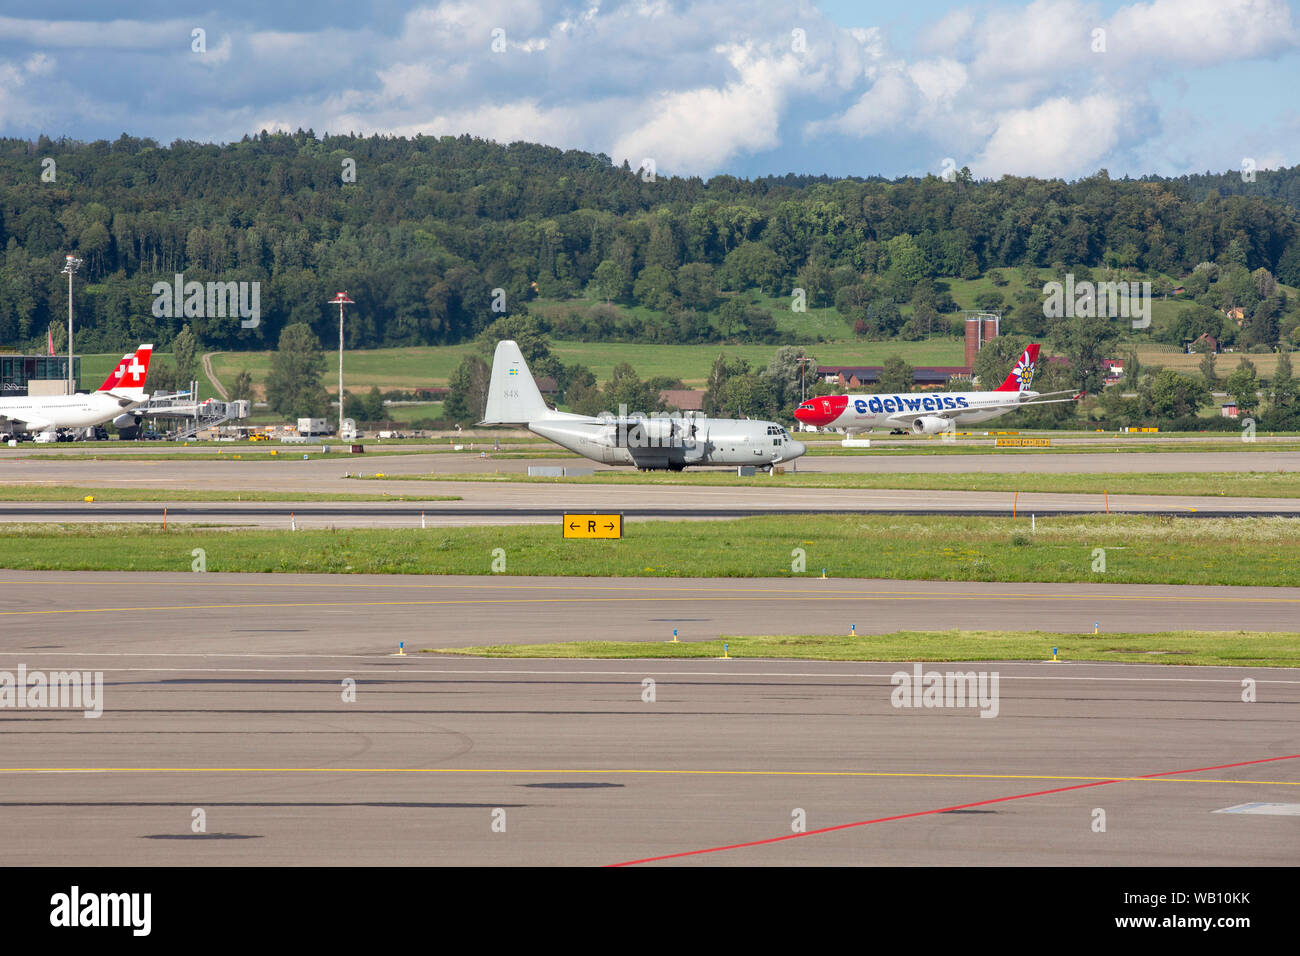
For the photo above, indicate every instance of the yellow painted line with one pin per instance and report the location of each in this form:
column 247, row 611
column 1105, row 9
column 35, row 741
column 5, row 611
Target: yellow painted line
column 615, row 771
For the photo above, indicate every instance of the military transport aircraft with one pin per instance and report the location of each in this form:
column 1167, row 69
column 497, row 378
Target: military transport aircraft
column 928, row 413
column 669, row 442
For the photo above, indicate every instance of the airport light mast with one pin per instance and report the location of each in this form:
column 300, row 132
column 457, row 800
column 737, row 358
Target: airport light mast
column 70, row 266
column 341, row 299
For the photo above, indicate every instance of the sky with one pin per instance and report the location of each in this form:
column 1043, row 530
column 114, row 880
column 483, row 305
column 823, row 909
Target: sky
column 1050, row 88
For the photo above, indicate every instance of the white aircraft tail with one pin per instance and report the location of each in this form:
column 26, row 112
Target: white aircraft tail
column 513, row 397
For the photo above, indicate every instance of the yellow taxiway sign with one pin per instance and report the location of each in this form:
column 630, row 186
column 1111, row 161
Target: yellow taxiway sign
column 593, row 526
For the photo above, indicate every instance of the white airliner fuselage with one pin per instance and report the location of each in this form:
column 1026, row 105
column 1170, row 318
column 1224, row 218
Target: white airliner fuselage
column 123, row 391
column 927, row 413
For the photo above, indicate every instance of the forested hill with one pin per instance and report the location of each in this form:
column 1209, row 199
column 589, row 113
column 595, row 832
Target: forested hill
column 431, row 226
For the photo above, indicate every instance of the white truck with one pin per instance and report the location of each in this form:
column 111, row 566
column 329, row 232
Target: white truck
column 313, row 426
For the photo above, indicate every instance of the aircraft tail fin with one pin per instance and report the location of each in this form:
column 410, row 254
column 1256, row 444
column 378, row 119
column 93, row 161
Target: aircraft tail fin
column 134, row 372
column 513, row 396
column 115, row 376
column 1022, row 376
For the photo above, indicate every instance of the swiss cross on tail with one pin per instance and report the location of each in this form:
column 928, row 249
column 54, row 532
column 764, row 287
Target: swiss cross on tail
column 135, row 370
column 1022, row 376
column 115, row 376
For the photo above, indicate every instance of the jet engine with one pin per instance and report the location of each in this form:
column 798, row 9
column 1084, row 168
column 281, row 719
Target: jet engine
column 930, row 425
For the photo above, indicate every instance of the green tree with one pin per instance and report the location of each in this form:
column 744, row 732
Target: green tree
column 723, row 370
column 241, row 390
column 1284, row 396
column 611, row 282
column 1172, row 394
column 750, row 395
column 696, row 286
column 467, row 391
column 1207, row 370
column 1242, row 385
column 1086, row 343
column 374, row 406
column 996, row 359
column 654, row 288
column 784, row 371
column 1285, row 390
column 896, row 375
column 815, row 279
column 625, row 388
column 752, row 265
column 185, row 353
column 293, row 386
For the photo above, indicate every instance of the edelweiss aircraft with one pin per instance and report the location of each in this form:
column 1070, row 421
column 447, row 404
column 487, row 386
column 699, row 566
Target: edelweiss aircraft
column 661, row 442
column 929, row 413
column 122, row 391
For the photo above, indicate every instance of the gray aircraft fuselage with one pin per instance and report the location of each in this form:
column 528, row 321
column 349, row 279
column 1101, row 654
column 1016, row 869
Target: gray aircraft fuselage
column 672, row 442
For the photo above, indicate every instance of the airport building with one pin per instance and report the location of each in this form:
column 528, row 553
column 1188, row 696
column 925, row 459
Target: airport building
column 36, row 374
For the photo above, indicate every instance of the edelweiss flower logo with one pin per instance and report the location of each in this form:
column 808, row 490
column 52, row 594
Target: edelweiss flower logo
column 1025, row 373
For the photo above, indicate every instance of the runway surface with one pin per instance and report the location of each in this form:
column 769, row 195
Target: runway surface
column 369, row 614
column 326, row 474
column 520, row 503
column 230, row 694
column 471, row 762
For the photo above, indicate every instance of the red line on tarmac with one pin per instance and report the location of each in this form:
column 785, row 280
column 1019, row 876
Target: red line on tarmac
column 926, row 813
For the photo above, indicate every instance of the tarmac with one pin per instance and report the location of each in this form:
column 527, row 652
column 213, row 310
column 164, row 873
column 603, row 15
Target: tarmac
column 275, row 705
column 503, row 503
column 342, row 760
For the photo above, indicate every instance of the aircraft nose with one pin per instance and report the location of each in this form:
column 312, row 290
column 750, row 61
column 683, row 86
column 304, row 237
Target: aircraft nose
column 821, row 411
column 797, row 448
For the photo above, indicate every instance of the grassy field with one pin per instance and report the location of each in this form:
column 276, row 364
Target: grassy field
column 37, row 493
column 1234, row 648
column 425, row 366
column 1138, row 549
column 1251, row 484
column 1224, row 365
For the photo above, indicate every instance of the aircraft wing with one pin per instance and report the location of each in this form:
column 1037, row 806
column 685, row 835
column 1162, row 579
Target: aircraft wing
column 28, row 424
column 125, row 402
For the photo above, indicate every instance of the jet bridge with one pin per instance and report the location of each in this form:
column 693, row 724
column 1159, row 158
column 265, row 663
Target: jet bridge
column 193, row 415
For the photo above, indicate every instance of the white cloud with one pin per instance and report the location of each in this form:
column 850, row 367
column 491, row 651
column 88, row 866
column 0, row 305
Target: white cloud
column 1060, row 137
column 90, row 34
column 700, row 85
column 1202, row 31
column 948, row 33
column 938, row 80
column 703, row 128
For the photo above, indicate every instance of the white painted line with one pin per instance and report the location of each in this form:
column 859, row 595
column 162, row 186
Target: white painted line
column 1265, row 809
